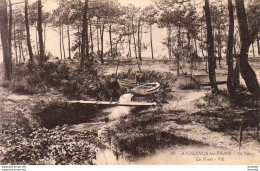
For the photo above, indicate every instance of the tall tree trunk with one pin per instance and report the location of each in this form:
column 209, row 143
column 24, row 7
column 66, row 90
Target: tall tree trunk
column 91, row 39
column 36, row 40
column 247, row 72
column 68, row 34
column 230, row 78
column 219, row 49
column 169, row 42
column 210, row 44
column 62, row 41
column 79, row 45
column 139, row 40
column 179, row 47
column 110, row 40
column 28, row 32
column 102, row 43
column 7, row 58
column 44, row 36
column 87, row 39
column 98, row 49
column 61, row 52
column 15, row 46
column 84, row 32
column 20, row 50
column 133, row 29
column 10, row 26
column 201, row 42
column 151, row 38
column 129, row 43
column 40, row 31
column 189, row 50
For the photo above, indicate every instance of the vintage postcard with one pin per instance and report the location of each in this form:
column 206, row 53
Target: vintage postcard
column 129, row 82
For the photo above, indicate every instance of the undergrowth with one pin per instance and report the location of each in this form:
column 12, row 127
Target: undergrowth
column 46, row 146
column 63, row 77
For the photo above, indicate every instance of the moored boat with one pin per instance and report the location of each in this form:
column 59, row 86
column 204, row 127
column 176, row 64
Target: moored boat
column 146, row 89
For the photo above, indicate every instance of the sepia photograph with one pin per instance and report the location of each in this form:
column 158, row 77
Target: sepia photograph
column 129, row 82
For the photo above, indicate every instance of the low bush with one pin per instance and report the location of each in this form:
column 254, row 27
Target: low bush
column 65, row 78
column 220, row 100
column 47, row 147
column 186, row 83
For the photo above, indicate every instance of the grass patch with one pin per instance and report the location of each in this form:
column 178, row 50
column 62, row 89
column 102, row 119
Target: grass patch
column 137, row 134
column 141, row 145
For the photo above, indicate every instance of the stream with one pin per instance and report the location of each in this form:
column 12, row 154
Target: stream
column 109, row 154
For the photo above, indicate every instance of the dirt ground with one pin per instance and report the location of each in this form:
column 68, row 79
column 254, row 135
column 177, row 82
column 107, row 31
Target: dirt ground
column 181, row 115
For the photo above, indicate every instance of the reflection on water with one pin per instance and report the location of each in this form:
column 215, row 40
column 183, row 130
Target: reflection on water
column 110, row 154
column 119, row 111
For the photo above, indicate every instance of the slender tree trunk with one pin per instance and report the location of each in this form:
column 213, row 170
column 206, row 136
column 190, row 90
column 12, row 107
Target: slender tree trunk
column 102, row 43
column 91, row 39
column 98, row 48
column 62, row 42
column 201, row 43
column 151, row 38
column 179, row 47
column 84, row 32
column 247, row 72
column 61, row 52
column 189, row 50
column 110, row 39
column 79, row 46
column 129, row 43
column 40, row 31
column 28, row 36
column 87, row 37
column 219, row 49
column 44, row 36
column 68, row 34
column 15, row 46
column 7, row 58
column 230, row 78
column 134, row 37
column 36, row 40
column 169, row 42
column 139, row 40
column 10, row 26
column 210, row 44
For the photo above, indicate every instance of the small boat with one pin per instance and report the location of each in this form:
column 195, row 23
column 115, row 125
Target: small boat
column 146, row 89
